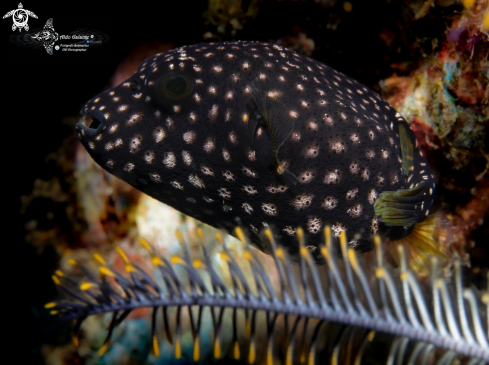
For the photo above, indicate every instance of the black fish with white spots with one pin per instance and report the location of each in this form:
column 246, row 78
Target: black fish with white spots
column 253, row 134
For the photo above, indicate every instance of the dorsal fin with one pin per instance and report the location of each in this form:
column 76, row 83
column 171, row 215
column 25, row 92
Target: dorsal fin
column 270, row 113
column 406, row 150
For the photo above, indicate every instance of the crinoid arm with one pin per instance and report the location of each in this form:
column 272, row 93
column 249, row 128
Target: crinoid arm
column 334, row 313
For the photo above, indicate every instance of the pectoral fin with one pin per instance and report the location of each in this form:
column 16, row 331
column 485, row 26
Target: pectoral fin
column 270, row 113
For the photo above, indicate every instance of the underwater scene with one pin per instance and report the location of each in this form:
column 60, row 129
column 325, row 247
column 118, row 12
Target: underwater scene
column 259, row 182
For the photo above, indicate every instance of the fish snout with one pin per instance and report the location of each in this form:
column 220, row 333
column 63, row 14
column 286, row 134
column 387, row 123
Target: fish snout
column 91, row 124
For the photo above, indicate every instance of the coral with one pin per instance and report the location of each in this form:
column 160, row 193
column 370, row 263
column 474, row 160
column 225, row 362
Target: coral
column 224, row 13
column 299, row 42
column 446, row 101
column 77, row 202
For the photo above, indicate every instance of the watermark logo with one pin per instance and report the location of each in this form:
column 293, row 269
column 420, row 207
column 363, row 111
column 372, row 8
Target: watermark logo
column 76, row 41
column 47, row 36
column 20, row 17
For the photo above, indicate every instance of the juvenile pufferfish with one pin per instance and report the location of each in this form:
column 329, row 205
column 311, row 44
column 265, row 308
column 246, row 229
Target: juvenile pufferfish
column 253, row 134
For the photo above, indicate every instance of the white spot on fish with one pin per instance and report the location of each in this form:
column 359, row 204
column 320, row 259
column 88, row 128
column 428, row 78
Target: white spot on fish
column 209, row 145
column 337, row 146
column 250, row 189
column 228, row 175
column 149, row 157
column 169, row 160
column 337, row 229
column 302, row 201
column 329, row 203
column 372, row 196
column 350, row 194
column 269, row 209
column 213, row 112
column 189, row 137
column 354, row 168
column 314, row 225
column 374, row 226
column 332, row 177
column 328, row 120
column 370, row 154
column 155, row 177
column 248, row 172
column 226, row 208
column 312, row 125
column 135, row 143
column 248, row 208
column 187, row 158
column 251, row 155
column 128, row 167
column 226, row 155
column 307, row 176
column 311, row 151
column 289, row 230
column 196, row 181
column 206, row 170
column 355, row 211
column 159, row 134
column 113, row 128
column 225, row 193
column 109, row 146
column 176, row 185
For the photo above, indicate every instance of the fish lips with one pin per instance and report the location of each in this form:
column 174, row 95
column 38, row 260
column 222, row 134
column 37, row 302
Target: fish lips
column 93, row 123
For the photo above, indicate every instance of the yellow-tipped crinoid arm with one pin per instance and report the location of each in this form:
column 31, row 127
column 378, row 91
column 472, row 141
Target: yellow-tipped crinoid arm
column 313, row 310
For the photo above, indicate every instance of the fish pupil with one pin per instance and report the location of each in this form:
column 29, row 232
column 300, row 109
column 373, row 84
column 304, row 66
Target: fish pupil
column 176, row 85
column 135, row 85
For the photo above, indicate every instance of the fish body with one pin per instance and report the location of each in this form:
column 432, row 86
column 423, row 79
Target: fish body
column 253, row 134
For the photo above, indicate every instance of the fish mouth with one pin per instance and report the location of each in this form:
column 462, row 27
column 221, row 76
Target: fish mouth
column 92, row 123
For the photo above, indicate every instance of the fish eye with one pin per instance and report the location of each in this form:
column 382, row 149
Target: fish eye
column 135, row 85
column 176, row 87
column 173, row 88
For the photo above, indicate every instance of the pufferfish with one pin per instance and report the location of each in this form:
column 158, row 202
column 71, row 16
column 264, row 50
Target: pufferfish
column 256, row 135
